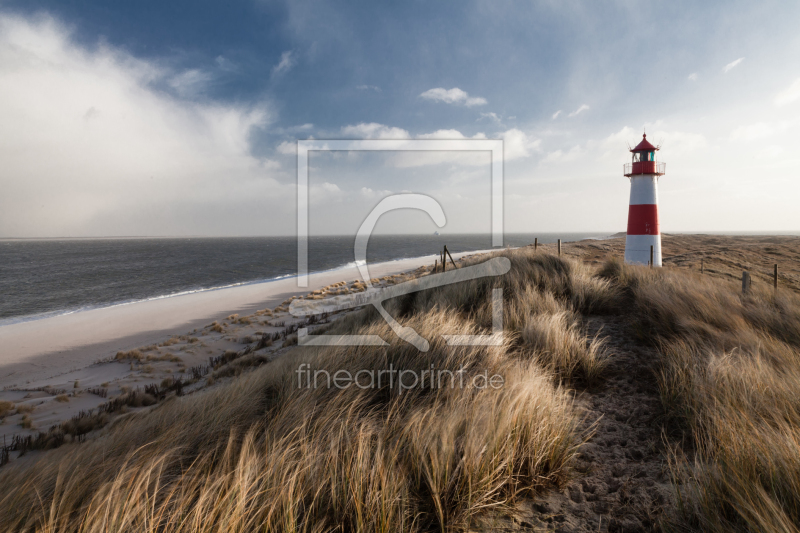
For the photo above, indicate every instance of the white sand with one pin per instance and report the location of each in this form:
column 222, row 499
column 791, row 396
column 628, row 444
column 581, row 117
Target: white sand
column 40, row 349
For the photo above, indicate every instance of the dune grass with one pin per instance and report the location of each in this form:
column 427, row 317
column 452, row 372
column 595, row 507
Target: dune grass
column 260, row 452
column 730, row 385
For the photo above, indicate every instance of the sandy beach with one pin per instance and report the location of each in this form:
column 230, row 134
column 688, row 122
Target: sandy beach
column 36, row 350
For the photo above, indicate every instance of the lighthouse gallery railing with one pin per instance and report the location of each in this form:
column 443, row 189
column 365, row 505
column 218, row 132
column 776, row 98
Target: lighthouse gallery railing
column 644, row 167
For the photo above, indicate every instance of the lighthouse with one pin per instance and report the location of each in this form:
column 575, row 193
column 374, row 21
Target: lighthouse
column 643, row 230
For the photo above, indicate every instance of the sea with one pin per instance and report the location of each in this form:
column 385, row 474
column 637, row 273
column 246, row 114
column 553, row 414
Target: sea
column 43, row 278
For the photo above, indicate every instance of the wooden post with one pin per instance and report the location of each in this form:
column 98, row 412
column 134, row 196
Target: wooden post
column 444, row 264
column 435, row 265
column 535, row 243
column 651, row 256
column 745, row 281
column 775, row 278
column 449, row 255
column 702, row 266
column 559, row 247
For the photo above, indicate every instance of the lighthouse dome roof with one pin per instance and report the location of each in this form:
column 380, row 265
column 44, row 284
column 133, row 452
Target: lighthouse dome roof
column 644, row 146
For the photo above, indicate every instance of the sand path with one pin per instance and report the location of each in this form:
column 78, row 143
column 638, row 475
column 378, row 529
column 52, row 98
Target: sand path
column 622, row 481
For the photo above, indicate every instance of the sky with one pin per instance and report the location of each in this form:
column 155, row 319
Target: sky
column 181, row 118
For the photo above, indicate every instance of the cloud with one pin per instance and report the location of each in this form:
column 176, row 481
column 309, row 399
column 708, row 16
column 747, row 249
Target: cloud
column 373, row 130
column 560, row 156
column 492, row 116
column 677, row 143
column 580, row 110
column 791, row 94
column 517, row 144
column 369, row 88
column 555, row 115
column 452, row 96
column 287, row 148
column 371, row 194
column 449, row 134
column 190, row 83
column 759, row 130
column 732, row 64
column 325, row 193
column 692, row 76
column 284, row 65
column 223, row 63
column 91, row 146
column 751, row 132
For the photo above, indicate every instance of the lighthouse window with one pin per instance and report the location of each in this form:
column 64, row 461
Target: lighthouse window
column 637, row 157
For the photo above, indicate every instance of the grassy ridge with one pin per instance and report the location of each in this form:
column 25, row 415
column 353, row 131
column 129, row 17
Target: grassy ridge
column 258, row 452
column 730, row 383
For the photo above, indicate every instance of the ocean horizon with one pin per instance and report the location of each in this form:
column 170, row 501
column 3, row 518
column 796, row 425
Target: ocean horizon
column 41, row 278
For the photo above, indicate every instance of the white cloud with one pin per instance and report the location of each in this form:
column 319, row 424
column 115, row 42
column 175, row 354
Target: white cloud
column 223, row 63
column 555, row 115
column 580, row 110
column 453, row 96
column 677, row 143
column 449, row 134
column 770, row 152
column 118, row 156
column 692, row 76
column 373, row 130
column 369, row 88
column 625, row 135
column 751, row 132
column 287, row 148
column 732, row 64
column 325, row 193
column 560, row 156
column 371, row 194
column 286, row 63
column 517, row 144
column 492, row 116
column 791, row 94
column 190, row 83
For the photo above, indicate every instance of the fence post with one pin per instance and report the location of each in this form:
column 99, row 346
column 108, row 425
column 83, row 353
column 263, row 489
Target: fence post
column 745, row 281
column 651, row 256
column 535, row 243
column 702, row 266
column 444, row 264
column 435, row 266
column 559, row 247
column 775, row 278
column 451, row 256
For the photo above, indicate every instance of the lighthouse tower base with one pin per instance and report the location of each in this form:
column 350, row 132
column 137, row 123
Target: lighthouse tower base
column 637, row 249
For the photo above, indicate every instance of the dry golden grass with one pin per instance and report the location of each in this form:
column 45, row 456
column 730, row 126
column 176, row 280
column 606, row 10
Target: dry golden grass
column 24, row 408
column 258, row 452
column 5, row 407
column 730, row 383
column 132, row 354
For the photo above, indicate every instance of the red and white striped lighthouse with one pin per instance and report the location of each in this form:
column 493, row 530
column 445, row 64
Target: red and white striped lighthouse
column 643, row 230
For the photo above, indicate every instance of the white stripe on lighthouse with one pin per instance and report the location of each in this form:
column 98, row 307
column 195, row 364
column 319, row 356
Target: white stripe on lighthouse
column 644, row 189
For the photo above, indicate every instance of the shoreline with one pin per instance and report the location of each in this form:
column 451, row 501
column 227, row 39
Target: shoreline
column 39, row 349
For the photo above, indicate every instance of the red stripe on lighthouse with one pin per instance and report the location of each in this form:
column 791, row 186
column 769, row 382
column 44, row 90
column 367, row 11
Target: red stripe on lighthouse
column 643, row 219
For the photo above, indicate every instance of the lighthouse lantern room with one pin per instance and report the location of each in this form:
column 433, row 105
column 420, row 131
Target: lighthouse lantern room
column 643, row 230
